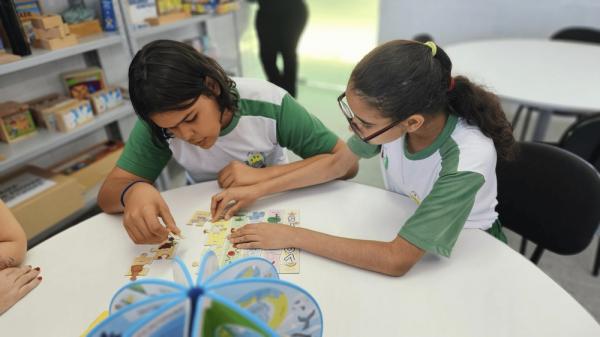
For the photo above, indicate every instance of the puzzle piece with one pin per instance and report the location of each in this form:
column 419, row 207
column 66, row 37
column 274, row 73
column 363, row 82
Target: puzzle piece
column 143, row 259
column 285, row 261
column 165, row 250
column 274, row 216
column 137, row 270
column 199, row 219
column 256, row 216
column 217, row 234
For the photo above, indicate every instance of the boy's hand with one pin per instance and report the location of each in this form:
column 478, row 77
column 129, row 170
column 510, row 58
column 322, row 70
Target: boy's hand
column 264, row 236
column 15, row 283
column 143, row 206
column 237, row 173
column 227, row 203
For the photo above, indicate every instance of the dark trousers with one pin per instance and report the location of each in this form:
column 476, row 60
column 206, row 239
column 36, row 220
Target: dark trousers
column 279, row 24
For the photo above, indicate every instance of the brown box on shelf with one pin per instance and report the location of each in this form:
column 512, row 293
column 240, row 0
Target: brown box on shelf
column 226, row 7
column 80, row 84
column 86, row 28
column 43, row 108
column 46, row 21
column 57, row 32
column 16, row 122
column 48, row 207
column 73, row 114
column 168, row 18
column 106, row 99
column 53, row 44
column 7, row 57
column 90, row 167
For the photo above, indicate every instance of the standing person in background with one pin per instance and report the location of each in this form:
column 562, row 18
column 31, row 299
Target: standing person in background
column 279, row 24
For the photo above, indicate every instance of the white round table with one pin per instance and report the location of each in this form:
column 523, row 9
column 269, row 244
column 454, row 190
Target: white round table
column 484, row 289
column 545, row 74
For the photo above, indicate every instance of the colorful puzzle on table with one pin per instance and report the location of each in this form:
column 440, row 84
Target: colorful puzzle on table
column 141, row 264
column 286, row 261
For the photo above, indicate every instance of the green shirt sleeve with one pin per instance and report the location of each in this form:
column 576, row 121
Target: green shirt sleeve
column 362, row 149
column 439, row 219
column 142, row 155
column 301, row 132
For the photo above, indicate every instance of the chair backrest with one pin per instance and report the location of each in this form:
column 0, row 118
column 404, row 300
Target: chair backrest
column 550, row 196
column 583, row 139
column 581, row 34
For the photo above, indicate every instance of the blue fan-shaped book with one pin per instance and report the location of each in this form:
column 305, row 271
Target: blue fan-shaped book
column 244, row 299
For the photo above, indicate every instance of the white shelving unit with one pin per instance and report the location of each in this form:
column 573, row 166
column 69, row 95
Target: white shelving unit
column 41, row 56
column 22, row 151
column 88, row 52
column 154, row 30
column 201, row 22
column 98, row 50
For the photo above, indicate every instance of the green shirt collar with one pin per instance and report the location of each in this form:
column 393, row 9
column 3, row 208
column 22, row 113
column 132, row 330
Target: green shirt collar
column 441, row 139
column 236, row 117
column 234, row 121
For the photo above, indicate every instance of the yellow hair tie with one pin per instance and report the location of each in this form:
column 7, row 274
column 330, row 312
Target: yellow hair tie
column 433, row 47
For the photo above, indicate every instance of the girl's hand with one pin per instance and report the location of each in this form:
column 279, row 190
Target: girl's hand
column 264, row 236
column 15, row 283
column 227, row 203
column 237, row 173
column 143, row 206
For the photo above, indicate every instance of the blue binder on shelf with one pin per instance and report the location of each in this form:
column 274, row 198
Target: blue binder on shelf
column 244, row 299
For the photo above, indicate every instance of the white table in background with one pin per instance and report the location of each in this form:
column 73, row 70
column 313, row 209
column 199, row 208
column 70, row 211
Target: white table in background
column 485, row 289
column 545, row 74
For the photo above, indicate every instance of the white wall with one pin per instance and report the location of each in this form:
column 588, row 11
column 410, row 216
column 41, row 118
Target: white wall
column 451, row 21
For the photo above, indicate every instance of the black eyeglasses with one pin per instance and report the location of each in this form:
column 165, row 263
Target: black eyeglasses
column 342, row 102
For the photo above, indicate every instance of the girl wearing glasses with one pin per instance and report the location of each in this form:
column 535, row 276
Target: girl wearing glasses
column 438, row 138
column 216, row 127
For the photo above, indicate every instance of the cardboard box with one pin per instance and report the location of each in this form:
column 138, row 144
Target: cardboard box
column 140, row 10
column 168, row 18
column 86, row 28
column 7, row 58
column 53, row 44
column 58, row 32
column 43, row 108
column 226, row 7
column 90, row 167
column 46, row 21
column 81, row 83
column 168, row 6
column 73, row 114
column 50, row 206
column 106, row 99
column 16, row 122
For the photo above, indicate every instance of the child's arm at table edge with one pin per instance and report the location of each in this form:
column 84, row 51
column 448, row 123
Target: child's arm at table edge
column 341, row 163
column 13, row 242
column 109, row 196
column 393, row 258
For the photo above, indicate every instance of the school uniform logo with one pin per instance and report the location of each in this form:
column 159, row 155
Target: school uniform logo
column 385, row 159
column 415, row 197
column 256, row 160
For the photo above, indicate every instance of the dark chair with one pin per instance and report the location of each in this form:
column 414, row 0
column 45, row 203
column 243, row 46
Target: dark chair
column 577, row 34
column 583, row 139
column 549, row 196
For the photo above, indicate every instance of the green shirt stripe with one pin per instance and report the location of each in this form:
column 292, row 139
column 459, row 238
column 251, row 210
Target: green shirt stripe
column 439, row 219
column 297, row 130
column 144, row 156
